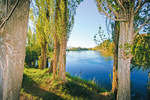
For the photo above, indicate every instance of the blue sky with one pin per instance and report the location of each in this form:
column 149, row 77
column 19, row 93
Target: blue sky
column 87, row 22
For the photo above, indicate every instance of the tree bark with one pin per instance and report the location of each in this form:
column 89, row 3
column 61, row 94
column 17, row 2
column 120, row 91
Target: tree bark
column 58, row 54
column 123, row 67
column 12, row 47
column 55, row 40
column 124, row 52
column 43, row 58
column 55, row 56
column 125, row 36
column 63, row 46
column 51, row 66
column 115, row 63
column 62, row 67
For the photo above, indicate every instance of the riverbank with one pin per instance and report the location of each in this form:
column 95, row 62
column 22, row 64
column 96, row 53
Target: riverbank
column 38, row 85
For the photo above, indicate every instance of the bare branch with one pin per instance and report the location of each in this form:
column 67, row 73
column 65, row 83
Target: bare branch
column 109, row 6
column 113, row 18
column 139, row 6
column 103, row 11
column 121, row 5
column 142, row 26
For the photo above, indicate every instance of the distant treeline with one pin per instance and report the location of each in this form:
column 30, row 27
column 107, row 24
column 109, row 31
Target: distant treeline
column 78, row 49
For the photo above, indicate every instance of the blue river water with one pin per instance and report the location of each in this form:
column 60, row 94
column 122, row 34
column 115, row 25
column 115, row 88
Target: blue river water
column 97, row 66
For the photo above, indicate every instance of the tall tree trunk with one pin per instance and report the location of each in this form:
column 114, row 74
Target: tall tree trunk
column 123, row 66
column 58, row 54
column 50, row 70
column 43, row 58
column 55, row 39
column 124, row 52
column 12, row 47
column 63, row 77
column 115, row 63
column 63, row 46
column 124, row 60
column 55, row 56
column 62, row 68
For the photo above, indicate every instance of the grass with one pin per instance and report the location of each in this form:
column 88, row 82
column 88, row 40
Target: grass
column 38, row 85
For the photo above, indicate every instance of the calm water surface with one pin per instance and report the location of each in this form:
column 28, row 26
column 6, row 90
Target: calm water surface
column 97, row 66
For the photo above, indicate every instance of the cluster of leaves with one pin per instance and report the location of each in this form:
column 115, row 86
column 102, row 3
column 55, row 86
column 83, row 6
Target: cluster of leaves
column 106, row 45
column 141, row 50
column 103, row 41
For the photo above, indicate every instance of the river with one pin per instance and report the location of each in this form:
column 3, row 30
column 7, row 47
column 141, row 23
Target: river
column 97, row 66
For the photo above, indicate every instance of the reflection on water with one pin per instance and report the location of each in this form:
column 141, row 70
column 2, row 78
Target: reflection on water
column 97, row 65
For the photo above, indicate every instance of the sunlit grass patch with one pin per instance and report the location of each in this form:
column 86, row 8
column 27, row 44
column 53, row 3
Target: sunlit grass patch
column 39, row 85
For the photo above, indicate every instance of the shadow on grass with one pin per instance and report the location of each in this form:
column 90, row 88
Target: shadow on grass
column 32, row 88
column 76, row 90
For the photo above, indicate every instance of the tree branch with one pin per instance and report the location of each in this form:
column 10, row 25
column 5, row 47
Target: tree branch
column 12, row 10
column 109, row 6
column 142, row 26
column 139, row 6
column 121, row 5
column 113, row 18
column 99, row 5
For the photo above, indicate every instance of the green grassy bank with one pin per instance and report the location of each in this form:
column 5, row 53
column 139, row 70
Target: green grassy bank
column 38, row 85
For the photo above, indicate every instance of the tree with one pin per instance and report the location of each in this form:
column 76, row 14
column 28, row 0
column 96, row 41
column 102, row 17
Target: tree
column 63, row 41
column 113, row 28
column 40, row 17
column 13, row 31
column 64, row 19
column 125, row 12
column 115, row 63
column 56, row 42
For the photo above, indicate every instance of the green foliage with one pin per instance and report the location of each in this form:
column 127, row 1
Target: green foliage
column 141, row 50
column 127, row 46
column 107, row 45
column 32, row 49
column 120, row 46
column 40, row 15
column 100, row 36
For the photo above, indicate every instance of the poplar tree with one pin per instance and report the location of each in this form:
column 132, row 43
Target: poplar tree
column 64, row 20
column 125, row 12
column 40, row 17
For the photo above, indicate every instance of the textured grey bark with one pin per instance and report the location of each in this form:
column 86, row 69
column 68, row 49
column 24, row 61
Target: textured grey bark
column 12, row 47
column 124, row 91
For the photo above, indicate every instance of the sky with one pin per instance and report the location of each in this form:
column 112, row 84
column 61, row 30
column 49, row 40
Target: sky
column 87, row 22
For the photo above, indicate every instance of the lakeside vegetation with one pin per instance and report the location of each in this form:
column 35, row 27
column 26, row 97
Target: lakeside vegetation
column 106, row 45
column 78, row 49
column 38, row 84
